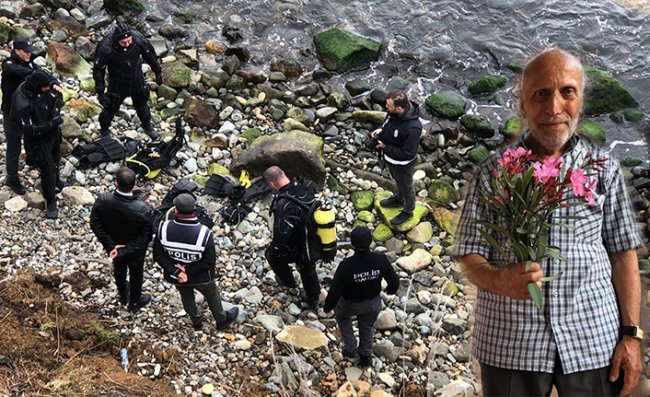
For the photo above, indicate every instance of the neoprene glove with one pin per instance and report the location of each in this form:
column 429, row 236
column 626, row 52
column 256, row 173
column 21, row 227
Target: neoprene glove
column 159, row 79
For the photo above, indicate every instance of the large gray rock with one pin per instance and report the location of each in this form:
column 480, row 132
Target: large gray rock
column 388, row 350
column 386, row 320
column 16, row 204
column 269, row 322
column 457, row 388
column 298, row 153
column 418, row 260
column 422, row 233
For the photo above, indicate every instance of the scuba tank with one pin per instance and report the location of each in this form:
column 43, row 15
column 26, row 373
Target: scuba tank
column 325, row 220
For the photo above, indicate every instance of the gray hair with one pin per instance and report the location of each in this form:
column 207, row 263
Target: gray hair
column 530, row 62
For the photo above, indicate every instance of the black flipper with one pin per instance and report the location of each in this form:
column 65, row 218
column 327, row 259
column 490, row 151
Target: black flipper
column 258, row 188
column 219, row 185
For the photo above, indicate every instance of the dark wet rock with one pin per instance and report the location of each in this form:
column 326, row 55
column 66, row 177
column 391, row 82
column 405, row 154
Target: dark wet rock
column 290, row 67
column 605, row 94
column 235, row 83
column 172, row 31
column 277, row 77
column 447, row 104
column 120, row 7
column 231, row 33
column 478, row 154
column 200, row 114
column 240, row 51
column 397, row 83
column 357, row 86
column 442, row 193
column 85, row 47
column 477, row 125
column 321, row 74
column 487, row 85
column 69, row 25
column 231, row 64
column 215, row 79
column 252, row 75
column 341, row 50
column 308, row 90
column 512, row 127
column 296, row 152
column 379, row 96
column 32, row 11
column 633, row 115
column 176, row 75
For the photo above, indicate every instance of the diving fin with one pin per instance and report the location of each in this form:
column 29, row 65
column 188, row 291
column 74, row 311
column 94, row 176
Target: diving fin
column 258, row 188
column 219, row 185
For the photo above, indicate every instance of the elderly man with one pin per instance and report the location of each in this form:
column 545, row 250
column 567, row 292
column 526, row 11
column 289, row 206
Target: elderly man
column 122, row 53
column 586, row 341
column 15, row 70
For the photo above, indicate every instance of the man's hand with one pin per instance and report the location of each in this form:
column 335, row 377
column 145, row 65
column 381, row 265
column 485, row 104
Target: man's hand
column 380, row 145
column 627, row 357
column 182, row 276
column 330, row 313
column 113, row 254
column 375, row 133
column 512, row 280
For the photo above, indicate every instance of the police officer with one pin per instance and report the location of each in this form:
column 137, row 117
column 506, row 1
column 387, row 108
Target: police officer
column 355, row 293
column 399, row 138
column 36, row 111
column 122, row 224
column 184, row 248
column 289, row 243
column 122, row 52
column 15, row 70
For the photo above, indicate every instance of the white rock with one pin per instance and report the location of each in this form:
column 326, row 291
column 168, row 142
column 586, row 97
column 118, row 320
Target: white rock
column 242, row 345
column 16, row 204
column 77, row 195
column 387, row 379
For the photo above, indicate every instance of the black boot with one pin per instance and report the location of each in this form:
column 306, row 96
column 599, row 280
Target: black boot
column 231, row 315
column 391, row 202
column 149, row 130
column 144, row 300
column 51, row 212
column 16, row 186
column 401, row 218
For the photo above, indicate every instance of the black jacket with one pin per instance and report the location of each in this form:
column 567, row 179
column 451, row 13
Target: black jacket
column 14, row 72
column 124, row 64
column 37, row 113
column 117, row 219
column 402, row 135
column 358, row 278
column 187, row 242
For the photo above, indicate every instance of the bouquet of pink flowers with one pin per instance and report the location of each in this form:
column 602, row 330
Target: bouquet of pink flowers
column 525, row 192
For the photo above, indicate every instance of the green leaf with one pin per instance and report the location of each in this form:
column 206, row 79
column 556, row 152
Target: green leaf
column 532, row 255
column 520, row 251
column 492, row 241
column 551, row 278
column 552, row 252
column 536, row 293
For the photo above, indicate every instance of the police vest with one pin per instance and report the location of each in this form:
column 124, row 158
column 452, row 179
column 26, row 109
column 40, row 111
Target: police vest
column 184, row 242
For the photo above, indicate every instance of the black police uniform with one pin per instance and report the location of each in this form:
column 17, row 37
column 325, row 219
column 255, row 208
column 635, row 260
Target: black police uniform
column 38, row 115
column 14, row 71
column 125, row 77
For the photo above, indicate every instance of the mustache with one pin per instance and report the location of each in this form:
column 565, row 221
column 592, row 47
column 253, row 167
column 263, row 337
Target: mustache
column 556, row 120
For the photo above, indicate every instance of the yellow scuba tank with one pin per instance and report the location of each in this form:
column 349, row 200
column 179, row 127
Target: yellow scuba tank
column 325, row 219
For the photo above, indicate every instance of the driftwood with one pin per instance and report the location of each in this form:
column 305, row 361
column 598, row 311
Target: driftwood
column 387, row 184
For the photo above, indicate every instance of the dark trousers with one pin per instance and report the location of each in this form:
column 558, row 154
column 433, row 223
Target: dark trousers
column 138, row 92
column 366, row 313
column 133, row 265
column 498, row 382
column 403, row 176
column 211, row 293
column 307, row 272
column 44, row 152
column 14, row 135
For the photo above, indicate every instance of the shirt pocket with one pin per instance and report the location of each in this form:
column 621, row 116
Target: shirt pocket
column 587, row 227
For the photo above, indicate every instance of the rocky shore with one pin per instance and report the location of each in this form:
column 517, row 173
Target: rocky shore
column 240, row 115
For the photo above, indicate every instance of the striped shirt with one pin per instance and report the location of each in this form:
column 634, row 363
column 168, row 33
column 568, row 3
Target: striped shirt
column 580, row 318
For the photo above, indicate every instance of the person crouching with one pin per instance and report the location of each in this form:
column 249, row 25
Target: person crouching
column 184, row 248
column 355, row 292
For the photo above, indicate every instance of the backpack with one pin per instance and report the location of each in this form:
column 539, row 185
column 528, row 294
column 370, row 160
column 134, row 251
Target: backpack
column 148, row 159
column 166, row 210
column 317, row 220
column 101, row 150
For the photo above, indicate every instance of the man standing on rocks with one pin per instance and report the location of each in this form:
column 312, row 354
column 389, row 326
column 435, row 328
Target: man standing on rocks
column 123, row 225
column 399, row 138
column 355, row 293
column 586, row 340
column 36, row 111
column 122, row 52
column 289, row 244
column 184, row 248
column 14, row 71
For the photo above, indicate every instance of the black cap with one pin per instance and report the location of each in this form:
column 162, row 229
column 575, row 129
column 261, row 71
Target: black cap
column 361, row 237
column 122, row 31
column 23, row 44
column 185, row 203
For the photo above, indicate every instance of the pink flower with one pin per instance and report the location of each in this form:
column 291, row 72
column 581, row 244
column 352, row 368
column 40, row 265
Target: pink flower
column 589, row 193
column 547, row 170
column 578, row 180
